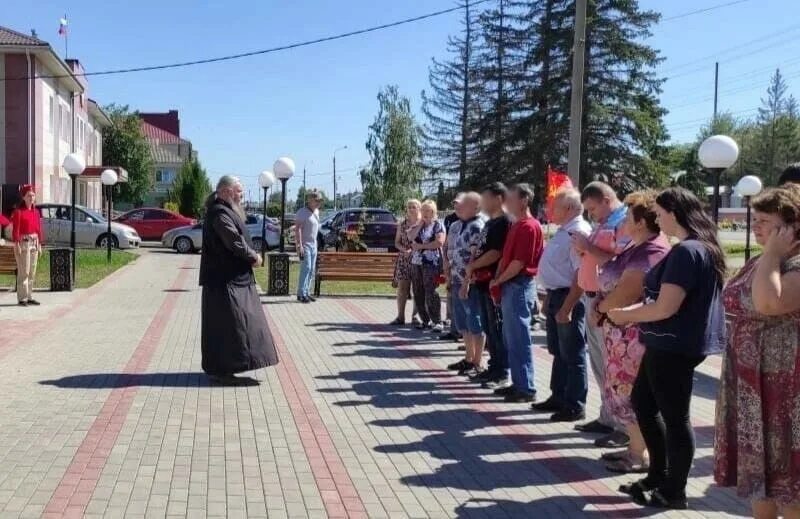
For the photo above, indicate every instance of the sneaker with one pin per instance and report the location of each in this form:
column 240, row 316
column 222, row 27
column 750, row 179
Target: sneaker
column 415, row 320
column 467, row 369
column 397, row 322
column 505, row 391
column 437, row 328
column 33, row 302
column 311, row 299
column 458, row 366
column 450, row 336
column 520, row 398
column 548, row 406
column 483, row 376
column 497, row 383
column 305, row 300
column 422, row 326
column 23, row 303
column 568, row 416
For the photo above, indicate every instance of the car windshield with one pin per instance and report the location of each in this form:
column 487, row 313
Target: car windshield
column 97, row 217
column 371, row 217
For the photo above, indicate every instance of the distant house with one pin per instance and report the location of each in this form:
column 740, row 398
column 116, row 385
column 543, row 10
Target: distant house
column 46, row 113
column 168, row 151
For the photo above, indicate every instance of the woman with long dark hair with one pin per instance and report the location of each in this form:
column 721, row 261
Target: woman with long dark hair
column 681, row 321
column 27, row 235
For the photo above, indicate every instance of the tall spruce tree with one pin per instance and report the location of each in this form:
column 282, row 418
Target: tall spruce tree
column 450, row 107
column 776, row 142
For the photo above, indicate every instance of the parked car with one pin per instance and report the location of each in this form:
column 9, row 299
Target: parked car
column 324, row 230
column 371, row 228
column 91, row 228
column 152, row 223
column 190, row 238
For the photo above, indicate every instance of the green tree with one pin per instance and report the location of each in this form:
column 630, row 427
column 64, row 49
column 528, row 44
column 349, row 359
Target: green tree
column 776, row 143
column 301, row 197
column 125, row 146
column 190, row 189
column 395, row 169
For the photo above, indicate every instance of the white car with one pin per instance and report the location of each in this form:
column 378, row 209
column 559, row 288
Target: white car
column 190, row 238
column 91, row 228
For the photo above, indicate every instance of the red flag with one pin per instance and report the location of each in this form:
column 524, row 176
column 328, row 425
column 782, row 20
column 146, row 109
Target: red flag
column 555, row 180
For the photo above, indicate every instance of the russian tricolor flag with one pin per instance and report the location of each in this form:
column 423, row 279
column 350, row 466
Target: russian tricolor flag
column 62, row 26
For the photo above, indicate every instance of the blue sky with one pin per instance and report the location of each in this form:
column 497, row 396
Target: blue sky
column 242, row 115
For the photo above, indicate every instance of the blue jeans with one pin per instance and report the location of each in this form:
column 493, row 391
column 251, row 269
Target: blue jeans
column 492, row 322
column 307, row 266
column 567, row 344
column 516, row 302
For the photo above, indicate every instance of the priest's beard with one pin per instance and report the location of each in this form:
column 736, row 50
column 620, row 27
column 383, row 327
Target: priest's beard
column 239, row 210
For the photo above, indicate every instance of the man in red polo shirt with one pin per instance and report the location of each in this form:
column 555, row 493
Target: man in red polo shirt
column 518, row 266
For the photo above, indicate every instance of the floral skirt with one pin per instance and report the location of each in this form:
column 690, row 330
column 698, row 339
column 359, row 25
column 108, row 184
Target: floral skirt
column 624, row 354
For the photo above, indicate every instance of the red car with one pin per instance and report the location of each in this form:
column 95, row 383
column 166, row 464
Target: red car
column 152, row 223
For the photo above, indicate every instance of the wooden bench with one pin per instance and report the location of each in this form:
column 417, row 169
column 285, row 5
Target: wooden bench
column 354, row 266
column 8, row 263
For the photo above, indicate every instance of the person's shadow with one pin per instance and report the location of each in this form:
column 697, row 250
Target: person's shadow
column 123, row 380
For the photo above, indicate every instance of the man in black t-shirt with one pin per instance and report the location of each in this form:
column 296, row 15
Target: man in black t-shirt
column 481, row 271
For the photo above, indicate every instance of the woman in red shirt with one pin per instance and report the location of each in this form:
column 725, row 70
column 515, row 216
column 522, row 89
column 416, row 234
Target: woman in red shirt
column 27, row 236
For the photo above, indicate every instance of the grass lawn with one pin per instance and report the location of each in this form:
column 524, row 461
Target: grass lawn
column 737, row 249
column 91, row 266
column 336, row 288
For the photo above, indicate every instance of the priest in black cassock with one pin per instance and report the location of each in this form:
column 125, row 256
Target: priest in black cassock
column 234, row 334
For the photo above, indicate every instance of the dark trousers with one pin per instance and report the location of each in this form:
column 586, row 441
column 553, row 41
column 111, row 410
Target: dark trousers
column 661, row 396
column 492, row 321
column 423, row 284
column 567, row 344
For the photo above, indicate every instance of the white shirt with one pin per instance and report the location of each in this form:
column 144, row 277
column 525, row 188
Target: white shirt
column 559, row 261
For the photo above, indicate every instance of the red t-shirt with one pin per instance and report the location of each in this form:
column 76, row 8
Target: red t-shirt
column 525, row 243
column 26, row 221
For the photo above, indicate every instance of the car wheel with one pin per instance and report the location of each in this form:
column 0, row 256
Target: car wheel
column 258, row 245
column 102, row 241
column 184, row 245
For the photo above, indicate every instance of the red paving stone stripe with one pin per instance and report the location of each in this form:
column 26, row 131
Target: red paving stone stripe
column 18, row 331
column 592, row 492
column 338, row 493
column 76, row 487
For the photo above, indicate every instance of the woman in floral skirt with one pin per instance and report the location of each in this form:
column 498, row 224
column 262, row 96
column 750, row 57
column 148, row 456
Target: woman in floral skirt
column 621, row 281
column 406, row 232
column 757, row 434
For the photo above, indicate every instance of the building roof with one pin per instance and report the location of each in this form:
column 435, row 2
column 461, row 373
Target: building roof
column 157, row 135
column 11, row 37
column 99, row 114
column 162, row 155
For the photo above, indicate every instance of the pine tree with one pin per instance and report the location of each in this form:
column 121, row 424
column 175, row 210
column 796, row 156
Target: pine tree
column 776, row 143
column 450, row 107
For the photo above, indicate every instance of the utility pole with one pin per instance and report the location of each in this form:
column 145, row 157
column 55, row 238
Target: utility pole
column 334, row 181
column 576, row 107
column 716, row 89
column 304, row 178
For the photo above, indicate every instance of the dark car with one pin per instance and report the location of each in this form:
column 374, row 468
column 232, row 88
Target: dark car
column 361, row 229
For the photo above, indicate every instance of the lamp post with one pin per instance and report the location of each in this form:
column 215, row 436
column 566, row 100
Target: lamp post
column 109, row 178
column 278, row 269
column 716, row 154
column 334, row 174
column 748, row 186
column 74, row 164
column 265, row 180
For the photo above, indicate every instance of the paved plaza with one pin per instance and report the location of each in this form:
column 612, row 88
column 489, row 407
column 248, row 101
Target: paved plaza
column 105, row 413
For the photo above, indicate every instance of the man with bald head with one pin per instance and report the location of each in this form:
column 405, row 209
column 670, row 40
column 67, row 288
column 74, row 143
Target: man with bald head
column 234, row 333
column 565, row 311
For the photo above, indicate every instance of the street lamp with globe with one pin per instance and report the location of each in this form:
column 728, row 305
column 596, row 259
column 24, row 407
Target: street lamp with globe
column 265, row 180
column 278, row 268
column 748, row 187
column 74, row 164
column 717, row 154
column 109, row 179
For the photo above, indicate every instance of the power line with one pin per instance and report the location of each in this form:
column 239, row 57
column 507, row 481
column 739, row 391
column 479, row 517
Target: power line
column 262, row 51
column 705, row 10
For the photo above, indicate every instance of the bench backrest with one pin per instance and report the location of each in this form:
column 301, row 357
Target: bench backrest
column 8, row 263
column 356, row 261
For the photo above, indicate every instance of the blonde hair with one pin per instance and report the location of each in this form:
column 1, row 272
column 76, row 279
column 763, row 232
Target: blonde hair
column 414, row 202
column 430, row 204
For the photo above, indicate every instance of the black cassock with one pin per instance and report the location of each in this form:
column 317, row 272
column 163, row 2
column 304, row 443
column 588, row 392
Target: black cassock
column 235, row 336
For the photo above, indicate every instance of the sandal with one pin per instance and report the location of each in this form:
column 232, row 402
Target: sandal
column 628, row 466
column 657, row 500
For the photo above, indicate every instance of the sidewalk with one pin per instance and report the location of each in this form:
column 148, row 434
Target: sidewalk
column 106, row 414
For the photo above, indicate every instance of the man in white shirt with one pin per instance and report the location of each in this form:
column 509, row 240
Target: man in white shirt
column 565, row 311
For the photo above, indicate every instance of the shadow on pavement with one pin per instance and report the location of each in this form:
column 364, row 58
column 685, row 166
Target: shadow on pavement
column 122, row 380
